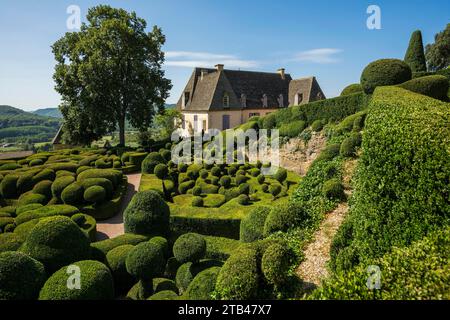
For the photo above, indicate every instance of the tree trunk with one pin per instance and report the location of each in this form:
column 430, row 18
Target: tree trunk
column 122, row 132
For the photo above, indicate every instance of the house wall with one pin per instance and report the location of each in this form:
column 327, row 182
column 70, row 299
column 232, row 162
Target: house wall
column 215, row 118
column 189, row 122
column 246, row 113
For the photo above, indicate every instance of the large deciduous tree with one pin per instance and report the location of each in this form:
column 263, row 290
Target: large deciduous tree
column 438, row 53
column 109, row 72
column 415, row 56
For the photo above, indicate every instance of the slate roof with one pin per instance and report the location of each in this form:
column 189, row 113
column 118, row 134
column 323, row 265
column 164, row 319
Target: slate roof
column 207, row 93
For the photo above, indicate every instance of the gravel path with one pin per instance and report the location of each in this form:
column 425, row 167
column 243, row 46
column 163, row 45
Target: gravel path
column 113, row 227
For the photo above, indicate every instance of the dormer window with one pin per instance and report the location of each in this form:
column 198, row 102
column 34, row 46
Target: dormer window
column 243, row 101
column 226, row 100
column 281, row 101
column 264, row 101
column 298, row 98
column 185, row 99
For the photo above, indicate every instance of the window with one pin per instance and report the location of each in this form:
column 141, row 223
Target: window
column 226, row 100
column 204, row 125
column 183, row 122
column 185, row 99
column 298, row 98
column 225, row 122
column 281, row 101
column 195, row 123
column 253, row 114
column 264, row 101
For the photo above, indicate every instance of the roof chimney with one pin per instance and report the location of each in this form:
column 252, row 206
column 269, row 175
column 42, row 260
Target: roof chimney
column 219, row 67
column 281, row 73
column 203, row 73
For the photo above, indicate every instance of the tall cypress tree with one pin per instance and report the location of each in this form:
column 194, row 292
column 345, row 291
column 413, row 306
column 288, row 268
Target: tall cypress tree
column 415, row 56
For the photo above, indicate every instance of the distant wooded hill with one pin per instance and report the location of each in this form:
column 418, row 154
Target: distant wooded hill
column 18, row 126
column 49, row 112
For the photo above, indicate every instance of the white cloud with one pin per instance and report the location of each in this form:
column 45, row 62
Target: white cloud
column 322, row 56
column 189, row 59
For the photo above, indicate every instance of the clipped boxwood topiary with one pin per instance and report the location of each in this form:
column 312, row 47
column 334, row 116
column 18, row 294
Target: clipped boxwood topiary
column 189, row 247
column 103, row 182
column 252, row 225
column 164, row 295
column 56, row 242
column 280, row 175
column 185, row 186
column 415, row 56
column 21, row 277
column 238, row 278
column 29, row 198
column 95, row 194
column 275, row 263
column 203, row 285
column 96, row 283
column 216, row 171
column 163, row 284
column 349, row 145
column 317, row 125
column 435, row 86
column 243, row 199
column 60, row 184
column 350, row 89
column 115, row 260
column 384, row 72
column 333, row 189
column 197, row 202
column 163, row 244
column 8, row 187
column 285, row 217
column 44, row 187
column 115, row 176
column 46, row 174
column 225, row 181
column 330, row 152
column 147, row 213
column 73, row 194
column 161, row 171
column 196, row 191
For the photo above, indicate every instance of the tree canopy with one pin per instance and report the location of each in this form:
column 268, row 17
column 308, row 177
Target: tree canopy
column 438, row 53
column 109, row 72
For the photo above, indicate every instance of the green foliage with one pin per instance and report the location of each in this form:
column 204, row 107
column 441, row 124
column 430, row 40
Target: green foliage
column 100, row 182
column 30, row 198
column 190, row 247
column 8, row 187
column 285, row 217
column 275, row 189
column 435, row 86
column 333, row 189
column 56, row 242
column 269, row 121
column 164, row 295
column 147, row 213
column 203, row 285
column 161, row 171
column 96, row 283
column 330, row 152
column 101, row 248
column 350, row 144
column 417, row 272
column 112, row 175
column 437, row 53
column 252, row 226
column 384, row 72
column 280, row 175
column 94, row 194
column 73, row 194
column 276, row 262
column 10, row 241
column 21, row 277
column 60, row 184
column 415, row 56
column 44, row 187
column 225, row 181
column 238, row 278
column 196, row 191
column 400, row 193
column 145, row 261
column 197, row 202
column 317, row 125
column 352, row 88
column 292, row 129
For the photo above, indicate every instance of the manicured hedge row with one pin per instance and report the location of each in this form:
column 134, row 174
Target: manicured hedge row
column 402, row 185
column 228, row 228
column 433, row 86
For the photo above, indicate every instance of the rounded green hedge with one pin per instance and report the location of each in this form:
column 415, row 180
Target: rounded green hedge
column 147, row 213
column 330, row 152
column 196, row 191
column 225, row 181
column 164, row 295
column 203, row 285
column 44, row 187
column 46, row 174
column 197, row 202
column 116, row 261
column 161, row 171
column 243, row 199
column 60, row 184
column 145, row 261
column 21, row 277
column 252, row 225
column 8, row 187
column 163, row 284
column 73, row 194
column 238, row 278
column 30, row 198
column 102, row 182
column 352, row 88
column 435, row 86
column 95, row 194
column 185, row 186
column 151, row 161
column 276, row 262
column 349, row 145
column 163, row 244
column 56, row 242
column 284, row 217
column 96, row 283
column 384, row 72
column 280, row 175
column 189, row 247
column 333, row 189
column 317, row 125
column 10, row 241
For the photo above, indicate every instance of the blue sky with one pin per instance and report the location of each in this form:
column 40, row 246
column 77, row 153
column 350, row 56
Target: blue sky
column 327, row 39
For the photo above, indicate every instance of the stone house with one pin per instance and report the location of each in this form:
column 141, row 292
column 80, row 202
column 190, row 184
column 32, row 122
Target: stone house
column 222, row 99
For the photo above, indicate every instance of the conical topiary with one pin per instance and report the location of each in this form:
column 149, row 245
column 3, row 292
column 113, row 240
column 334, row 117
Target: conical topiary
column 415, row 56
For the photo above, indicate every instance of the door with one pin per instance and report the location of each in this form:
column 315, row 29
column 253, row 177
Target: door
column 225, row 122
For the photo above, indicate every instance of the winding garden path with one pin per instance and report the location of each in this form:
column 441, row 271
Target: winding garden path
column 113, row 227
column 313, row 269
